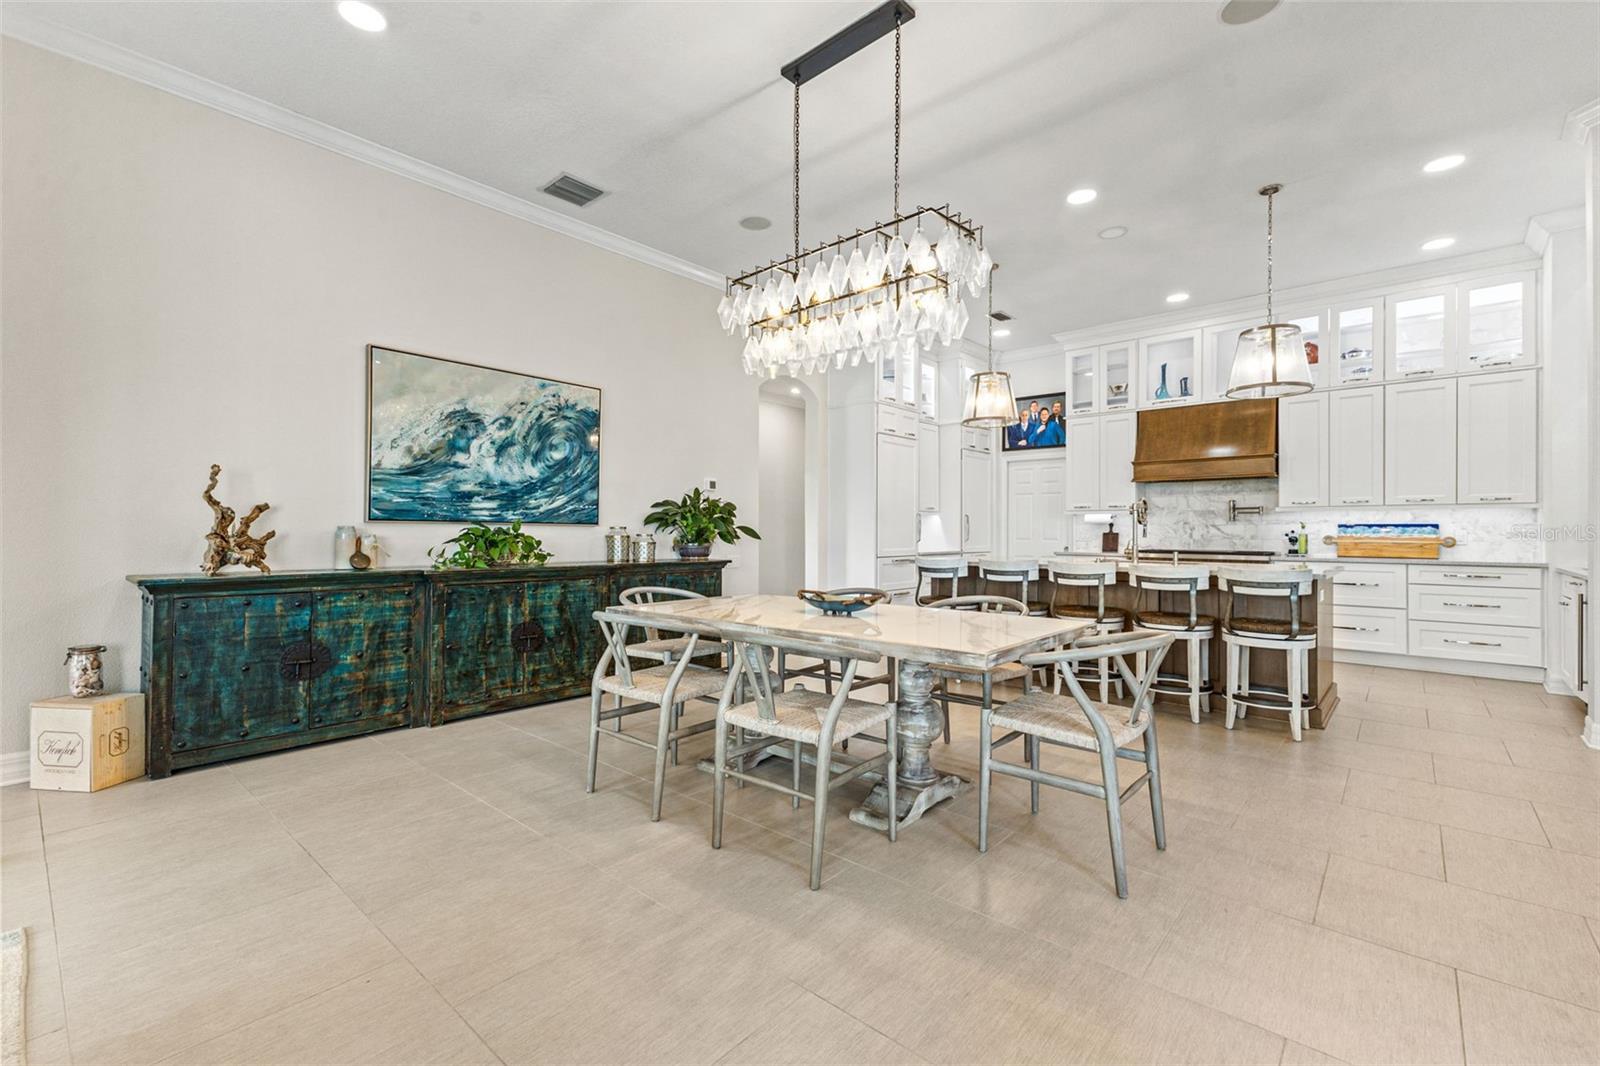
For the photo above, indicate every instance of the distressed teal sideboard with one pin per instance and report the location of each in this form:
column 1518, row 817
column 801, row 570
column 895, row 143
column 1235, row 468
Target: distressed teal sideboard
column 241, row 664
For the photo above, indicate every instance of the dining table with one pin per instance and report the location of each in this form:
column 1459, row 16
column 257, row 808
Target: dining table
column 917, row 639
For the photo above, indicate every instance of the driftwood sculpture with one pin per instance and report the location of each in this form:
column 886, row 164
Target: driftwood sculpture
column 229, row 543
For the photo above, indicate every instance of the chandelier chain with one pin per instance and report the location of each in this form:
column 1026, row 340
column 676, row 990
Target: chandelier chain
column 989, row 318
column 1270, row 319
column 797, row 172
column 897, row 117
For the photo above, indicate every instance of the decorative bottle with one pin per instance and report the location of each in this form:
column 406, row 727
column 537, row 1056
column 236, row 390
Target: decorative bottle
column 1161, row 388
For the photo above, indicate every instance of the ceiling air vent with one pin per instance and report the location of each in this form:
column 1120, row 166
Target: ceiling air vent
column 573, row 191
column 1000, row 316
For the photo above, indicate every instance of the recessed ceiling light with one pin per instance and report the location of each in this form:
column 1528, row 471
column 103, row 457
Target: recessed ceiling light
column 794, row 390
column 1238, row 12
column 1002, row 333
column 755, row 222
column 1111, row 233
column 1177, row 297
column 362, row 16
column 1079, row 197
column 1443, row 163
column 1438, row 244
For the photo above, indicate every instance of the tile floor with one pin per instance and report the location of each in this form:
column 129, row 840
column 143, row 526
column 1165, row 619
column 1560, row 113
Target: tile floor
column 1419, row 883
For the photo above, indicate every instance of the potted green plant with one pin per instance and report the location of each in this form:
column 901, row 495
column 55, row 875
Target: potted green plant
column 480, row 546
column 696, row 521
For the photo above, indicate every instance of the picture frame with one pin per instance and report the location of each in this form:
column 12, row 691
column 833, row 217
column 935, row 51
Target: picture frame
column 1039, row 426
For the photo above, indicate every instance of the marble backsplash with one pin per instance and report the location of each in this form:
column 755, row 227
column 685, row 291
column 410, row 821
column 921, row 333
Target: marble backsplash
column 1194, row 514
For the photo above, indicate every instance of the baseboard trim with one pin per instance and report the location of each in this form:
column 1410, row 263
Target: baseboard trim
column 14, row 768
column 1534, row 674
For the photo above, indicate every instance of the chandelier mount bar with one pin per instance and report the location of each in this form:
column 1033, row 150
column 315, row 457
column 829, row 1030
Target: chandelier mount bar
column 878, row 22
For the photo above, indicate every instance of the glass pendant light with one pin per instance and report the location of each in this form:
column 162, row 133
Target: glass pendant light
column 1270, row 360
column 990, row 402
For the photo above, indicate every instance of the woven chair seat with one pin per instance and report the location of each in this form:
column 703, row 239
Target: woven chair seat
column 1089, row 610
column 668, row 649
column 1061, row 719
column 650, row 684
column 1270, row 627
column 1003, row 672
column 800, row 713
column 1165, row 620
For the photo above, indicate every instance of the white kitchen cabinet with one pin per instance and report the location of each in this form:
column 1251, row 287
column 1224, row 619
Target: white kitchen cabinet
column 1497, row 458
column 977, row 440
column 1355, row 446
column 1170, row 369
column 897, row 495
column 1421, row 333
column 1496, row 323
column 1220, row 344
column 1572, row 627
column 1118, row 435
column 1083, row 464
column 1419, row 438
column 1303, row 450
column 977, row 501
column 1100, row 379
column 927, row 466
column 1355, row 343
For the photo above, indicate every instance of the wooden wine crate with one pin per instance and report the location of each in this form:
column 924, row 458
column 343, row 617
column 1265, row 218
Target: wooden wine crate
column 84, row 745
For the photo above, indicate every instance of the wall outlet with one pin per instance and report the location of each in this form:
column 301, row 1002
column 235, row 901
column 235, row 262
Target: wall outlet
column 711, row 484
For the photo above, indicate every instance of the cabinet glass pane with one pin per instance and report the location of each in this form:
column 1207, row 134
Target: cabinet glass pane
column 1311, row 333
column 1083, row 383
column 930, row 391
column 1494, row 325
column 908, row 380
column 1169, row 370
column 1355, row 327
column 1419, row 329
column 1118, row 362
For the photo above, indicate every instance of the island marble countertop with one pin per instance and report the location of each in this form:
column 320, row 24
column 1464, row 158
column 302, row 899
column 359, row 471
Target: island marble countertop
column 1287, row 561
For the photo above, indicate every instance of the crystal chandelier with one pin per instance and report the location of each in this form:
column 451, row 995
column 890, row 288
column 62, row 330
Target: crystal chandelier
column 1270, row 360
column 990, row 402
column 881, row 292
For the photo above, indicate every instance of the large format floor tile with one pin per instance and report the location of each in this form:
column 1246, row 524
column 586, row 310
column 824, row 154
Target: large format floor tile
column 1505, row 1025
column 1552, row 878
column 1497, row 815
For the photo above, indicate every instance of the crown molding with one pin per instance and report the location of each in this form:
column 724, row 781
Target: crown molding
column 1542, row 227
column 1023, row 355
column 1581, row 122
column 28, row 28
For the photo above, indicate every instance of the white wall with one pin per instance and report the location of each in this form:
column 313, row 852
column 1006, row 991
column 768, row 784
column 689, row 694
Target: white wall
column 1564, row 317
column 782, row 444
column 183, row 288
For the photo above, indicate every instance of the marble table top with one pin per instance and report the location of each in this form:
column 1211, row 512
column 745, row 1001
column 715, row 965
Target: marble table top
column 916, row 634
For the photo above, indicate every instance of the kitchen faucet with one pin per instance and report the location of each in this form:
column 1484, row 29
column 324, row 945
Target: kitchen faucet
column 1141, row 518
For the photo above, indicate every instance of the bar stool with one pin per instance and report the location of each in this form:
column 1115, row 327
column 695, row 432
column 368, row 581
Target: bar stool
column 1014, row 579
column 931, row 572
column 1096, row 576
column 1191, row 627
column 944, row 674
column 1294, row 636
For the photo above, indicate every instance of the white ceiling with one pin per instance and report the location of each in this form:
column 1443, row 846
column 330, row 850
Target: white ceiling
column 678, row 111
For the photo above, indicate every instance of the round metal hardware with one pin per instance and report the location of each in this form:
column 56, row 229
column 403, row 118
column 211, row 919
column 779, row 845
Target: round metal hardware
column 245, row 669
column 295, row 720
column 304, row 660
column 180, row 744
column 244, row 732
column 183, row 675
column 528, row 637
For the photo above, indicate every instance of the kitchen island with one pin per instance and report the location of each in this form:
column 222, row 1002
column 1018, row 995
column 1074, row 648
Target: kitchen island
column 1266, row 669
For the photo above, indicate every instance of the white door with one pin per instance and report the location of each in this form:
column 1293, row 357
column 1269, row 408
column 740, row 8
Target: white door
column 977, row 502
column 1355, row 446
column 1303, row 450
column 1419, row 442
column 1083, row 464
column 1498, row 451
column 1036, row 515
column 1118, row 434
column 897, row 495
column 927, row 466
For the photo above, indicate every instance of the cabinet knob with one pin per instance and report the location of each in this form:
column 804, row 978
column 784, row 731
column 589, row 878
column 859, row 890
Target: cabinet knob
column 295, row 720
column 244, row 732
column 183, row 675
column 180, row 743
column 245, row 669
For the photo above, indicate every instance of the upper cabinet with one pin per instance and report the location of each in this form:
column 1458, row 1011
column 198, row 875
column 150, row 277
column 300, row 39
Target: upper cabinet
column 1498, row 457
column 1419, row 442
column 897, row 380
column 928, row 397
column 1496, row 323
column 1355, row 446
column 1421, row 334
column 1100, row 379
column 1355, row 343
column 1170, row 369
column 1303, row 450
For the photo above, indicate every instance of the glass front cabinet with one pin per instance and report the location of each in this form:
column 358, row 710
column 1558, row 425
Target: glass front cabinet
column 1170, row 369
column 1100, row 379
column 1421, row 333
column 1496, row 323
column 1354, row 354
column 897, row 380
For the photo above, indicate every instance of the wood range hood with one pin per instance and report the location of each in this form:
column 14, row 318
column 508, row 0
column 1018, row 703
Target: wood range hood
column 1208, row 442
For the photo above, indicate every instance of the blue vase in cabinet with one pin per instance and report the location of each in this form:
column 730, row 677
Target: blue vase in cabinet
column 1161, row 388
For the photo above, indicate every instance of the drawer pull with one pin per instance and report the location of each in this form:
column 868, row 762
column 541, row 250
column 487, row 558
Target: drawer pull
column 1482, row 606
column 1474, row 643
column 1475, row 577
column 1360, row 584
column 1356, row 499
column 1302, row 503
column 1493, row 499
column 1359, row 629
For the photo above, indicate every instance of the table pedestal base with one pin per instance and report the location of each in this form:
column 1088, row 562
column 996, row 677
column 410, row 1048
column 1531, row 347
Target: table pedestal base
column 918, row 784
column 913, row 801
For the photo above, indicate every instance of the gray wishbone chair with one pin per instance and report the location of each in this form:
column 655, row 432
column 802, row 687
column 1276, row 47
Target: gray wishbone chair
column 663, row 649
column 824, row 670
column 1076, row 721
column 944, row 674
column 799, row 718
column 664, row 689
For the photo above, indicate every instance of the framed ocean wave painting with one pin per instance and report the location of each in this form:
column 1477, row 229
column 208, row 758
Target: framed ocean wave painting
column 455, row 442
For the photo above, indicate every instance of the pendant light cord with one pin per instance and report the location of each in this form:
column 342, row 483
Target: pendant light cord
column 797, row 175
column 897, row 118
column 1270, row 192
column 990, row 319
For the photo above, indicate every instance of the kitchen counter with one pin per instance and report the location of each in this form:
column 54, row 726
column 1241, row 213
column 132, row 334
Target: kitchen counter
column 1123, row 563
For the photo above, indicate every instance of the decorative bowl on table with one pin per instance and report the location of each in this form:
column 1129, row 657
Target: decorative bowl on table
column 841, row 601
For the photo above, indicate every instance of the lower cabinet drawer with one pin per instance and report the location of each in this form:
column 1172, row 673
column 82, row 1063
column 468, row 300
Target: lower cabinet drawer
column 1376, row 585
column 1497, row 606
column 897, row 574
column 1478, row 577
column 1369, row 629
column 1506, row 645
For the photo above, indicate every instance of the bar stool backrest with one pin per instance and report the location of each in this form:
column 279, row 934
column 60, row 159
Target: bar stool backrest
column 1002, row 574
column 1093, row 575
column 1289, row 583
column 990, row 604
column 1190, row 580
column 951, row 572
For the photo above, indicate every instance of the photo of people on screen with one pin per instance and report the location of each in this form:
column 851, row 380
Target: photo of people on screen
column 1038, row 424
